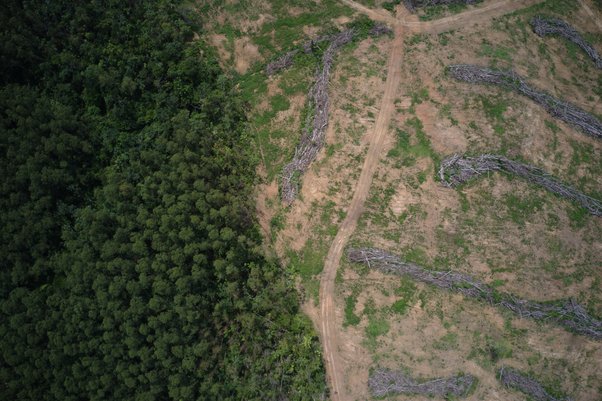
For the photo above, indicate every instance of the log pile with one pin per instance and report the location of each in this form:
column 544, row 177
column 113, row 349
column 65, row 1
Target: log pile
column 309, row 46
column 412, row 5
column 514, row 379
column 543, row 26
column 312, row 138
column 383, row 382
column 568, row 314
column 560, row 109
column 281, row 63
column 379, row 30
column 457, row 169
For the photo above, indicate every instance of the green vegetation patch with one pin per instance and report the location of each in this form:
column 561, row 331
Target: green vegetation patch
column 132, row 264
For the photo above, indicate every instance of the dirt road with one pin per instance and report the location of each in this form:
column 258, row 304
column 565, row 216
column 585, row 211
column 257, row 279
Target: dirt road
column 473, row 16
column 327, row 311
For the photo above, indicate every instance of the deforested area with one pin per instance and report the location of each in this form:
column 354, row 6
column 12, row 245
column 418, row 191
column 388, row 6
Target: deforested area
column 499, row 229
column 565, row 111
column 544, row 26
column 383, row 382
column 456, row 170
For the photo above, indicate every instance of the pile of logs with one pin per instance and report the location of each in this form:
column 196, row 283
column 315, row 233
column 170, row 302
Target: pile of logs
column 568, row 314
column 560, row 109
column 457, row 169
column 313, row 135
column 383, row 382
column 412, row 5
column 314, row 131
column 514, row 379
column 553, row 26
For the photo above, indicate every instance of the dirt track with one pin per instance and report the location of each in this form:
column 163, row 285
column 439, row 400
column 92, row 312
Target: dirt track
column 473, row 16
column 328, row 323
column 327, row 311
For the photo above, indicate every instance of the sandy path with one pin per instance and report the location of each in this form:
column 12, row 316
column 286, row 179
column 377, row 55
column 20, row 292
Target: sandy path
column 329, row 325
column 376, row 15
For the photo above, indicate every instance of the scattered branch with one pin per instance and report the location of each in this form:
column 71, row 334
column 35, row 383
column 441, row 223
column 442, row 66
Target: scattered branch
column 553, row 26
column 568, row 314
column 565, row 111
column 456, row 170
column 383, row 382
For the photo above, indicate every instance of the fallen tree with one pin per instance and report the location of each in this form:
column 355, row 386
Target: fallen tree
column 567, row 313
column 514, row 379
column 383, row 382
column 544, row 26
column 560, row 109
column 457, row 169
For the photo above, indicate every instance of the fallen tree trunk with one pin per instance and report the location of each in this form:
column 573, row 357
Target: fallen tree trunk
column 456, row 170
column 568, row 313
column 560, row 109
column 543, row 26
column 383, row 382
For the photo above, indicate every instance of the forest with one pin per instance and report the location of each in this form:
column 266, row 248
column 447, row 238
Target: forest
column 132, row 266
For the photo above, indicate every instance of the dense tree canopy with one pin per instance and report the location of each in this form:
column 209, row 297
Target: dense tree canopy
column 131, row 264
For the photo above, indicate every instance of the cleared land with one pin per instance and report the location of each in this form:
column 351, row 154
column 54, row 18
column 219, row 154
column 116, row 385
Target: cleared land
column 504, row 232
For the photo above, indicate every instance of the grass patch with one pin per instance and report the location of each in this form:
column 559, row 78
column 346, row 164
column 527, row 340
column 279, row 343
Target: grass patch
column 406, row 292
column 351, row 319
column 520, row 208
column 308, row 264
column 496, row 53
